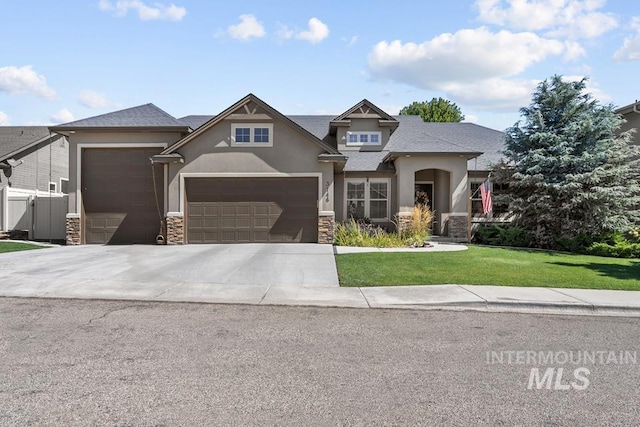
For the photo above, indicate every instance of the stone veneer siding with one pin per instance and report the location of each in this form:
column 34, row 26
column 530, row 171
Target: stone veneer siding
column 403, row 220
column 326, row 228
column 175, row 230
column 458, row 226
column 73, row 229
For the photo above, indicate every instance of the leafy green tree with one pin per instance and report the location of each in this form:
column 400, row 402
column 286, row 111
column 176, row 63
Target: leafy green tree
column 568, row 172
column 436, row 110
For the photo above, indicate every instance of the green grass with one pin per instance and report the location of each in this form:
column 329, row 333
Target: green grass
column 17, row 246
column 488, row 266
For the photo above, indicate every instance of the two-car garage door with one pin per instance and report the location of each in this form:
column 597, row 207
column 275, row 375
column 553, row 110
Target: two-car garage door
column 243, row 210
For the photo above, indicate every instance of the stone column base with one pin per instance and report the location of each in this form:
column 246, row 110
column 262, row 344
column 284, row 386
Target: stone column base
column 326, row 227
column 74, row 229
column 403, row 221
column 175, row 228
column 458, row 227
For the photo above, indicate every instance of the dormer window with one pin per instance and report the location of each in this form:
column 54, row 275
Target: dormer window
column 252, row 135
column 358, row 138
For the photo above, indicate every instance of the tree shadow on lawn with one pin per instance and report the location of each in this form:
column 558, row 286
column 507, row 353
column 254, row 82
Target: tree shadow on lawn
column 623, row 272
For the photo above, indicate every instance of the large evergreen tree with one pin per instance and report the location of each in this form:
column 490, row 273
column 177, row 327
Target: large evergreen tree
column 436, row 110
column 567, row 171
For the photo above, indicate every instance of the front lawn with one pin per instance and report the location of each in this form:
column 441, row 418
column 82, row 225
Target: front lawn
column 488, row 266
column 17, row 246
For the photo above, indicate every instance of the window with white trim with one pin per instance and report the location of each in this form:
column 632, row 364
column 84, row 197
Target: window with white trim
column 498, row 208
column 358, row 138
column 367, row 198
column 53, row 187
column 252, row 134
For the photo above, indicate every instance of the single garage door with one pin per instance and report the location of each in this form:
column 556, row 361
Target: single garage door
column 245, row 210
column 118, row 195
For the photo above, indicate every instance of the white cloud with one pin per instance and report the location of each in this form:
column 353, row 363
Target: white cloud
column 471, row 118
column 575, row 19
column 62, row 116
column 630, row 49
column 23, row 80
column 352, row 41
column 317, row 31
column 284, row 32
column 146, row 13
column 248, row 28
column 475, row 66
column 4, row 119
column 591, row 88
column 93, row 99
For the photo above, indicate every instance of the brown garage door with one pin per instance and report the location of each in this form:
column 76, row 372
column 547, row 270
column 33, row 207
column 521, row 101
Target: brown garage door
column 117, row 195
column 244, row 210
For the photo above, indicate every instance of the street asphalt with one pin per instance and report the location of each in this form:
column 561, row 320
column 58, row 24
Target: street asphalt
column 126, row 363
column 273, row 274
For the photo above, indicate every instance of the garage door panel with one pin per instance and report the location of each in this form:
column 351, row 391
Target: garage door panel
column 252, row 209
column 118, row 195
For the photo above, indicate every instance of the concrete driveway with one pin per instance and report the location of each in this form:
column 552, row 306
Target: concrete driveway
column 248, row 273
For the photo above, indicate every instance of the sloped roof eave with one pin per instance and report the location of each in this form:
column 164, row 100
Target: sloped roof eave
column 394, row 154
column 226, row 113
column 51, row 137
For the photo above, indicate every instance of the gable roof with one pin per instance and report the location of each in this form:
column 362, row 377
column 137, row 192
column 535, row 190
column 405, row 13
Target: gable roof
column 146, row 116
column 15, row 139
column 244, row 101
column 362, row 104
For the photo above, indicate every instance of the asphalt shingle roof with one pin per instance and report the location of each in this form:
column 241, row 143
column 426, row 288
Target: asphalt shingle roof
column 415, row 136
column 142, row 116
column 366, row 161
column 195, row 121
column 412, row 135
column 13, row 138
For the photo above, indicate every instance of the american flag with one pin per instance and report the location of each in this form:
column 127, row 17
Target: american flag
column 485, row 193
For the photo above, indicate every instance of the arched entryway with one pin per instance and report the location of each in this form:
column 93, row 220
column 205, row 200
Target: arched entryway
column 432, row 187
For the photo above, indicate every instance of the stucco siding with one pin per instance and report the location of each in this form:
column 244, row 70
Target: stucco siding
column 358, row 125
column 212, row 153
column 456, row 167
column 633, row 122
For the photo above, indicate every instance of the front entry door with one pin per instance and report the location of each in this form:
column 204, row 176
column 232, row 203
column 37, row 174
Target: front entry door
column 424, row 194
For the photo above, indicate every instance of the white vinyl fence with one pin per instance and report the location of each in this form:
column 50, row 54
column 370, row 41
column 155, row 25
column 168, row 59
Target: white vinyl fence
column 43, row 217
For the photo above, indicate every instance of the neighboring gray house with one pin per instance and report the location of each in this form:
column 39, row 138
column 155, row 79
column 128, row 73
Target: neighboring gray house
column 631, row 113
column 34, row 166
column 252, row 174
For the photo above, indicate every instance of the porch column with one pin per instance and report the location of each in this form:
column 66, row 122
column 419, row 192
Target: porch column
column 406, row 192
column 458, row 221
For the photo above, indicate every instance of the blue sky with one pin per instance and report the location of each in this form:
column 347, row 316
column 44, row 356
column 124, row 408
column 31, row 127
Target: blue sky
column 63, row 61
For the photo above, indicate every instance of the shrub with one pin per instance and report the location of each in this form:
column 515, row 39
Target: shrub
column 364, row 234
column 503, row 235
column 617, row 250
column 419, row 228
column 578, row 244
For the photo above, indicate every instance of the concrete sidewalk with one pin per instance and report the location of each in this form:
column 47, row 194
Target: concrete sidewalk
column 267, row 275
column 432, row 297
